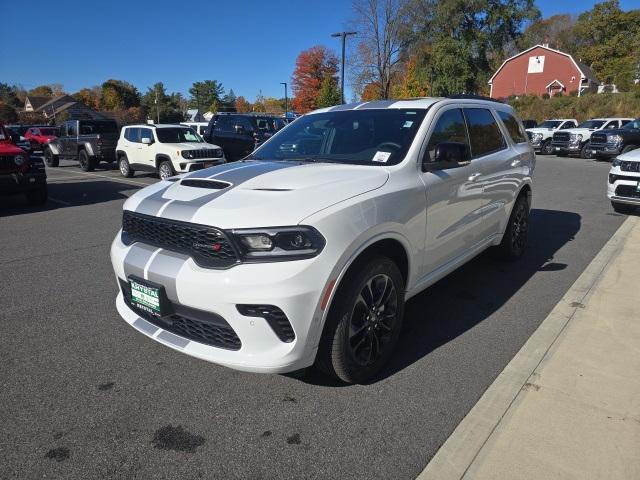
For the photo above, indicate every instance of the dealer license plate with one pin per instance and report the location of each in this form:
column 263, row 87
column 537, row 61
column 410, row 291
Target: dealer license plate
column 145, row 297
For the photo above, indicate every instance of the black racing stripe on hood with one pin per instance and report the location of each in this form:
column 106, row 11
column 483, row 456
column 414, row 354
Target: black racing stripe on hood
column 217, row 170
column 152, row 204
column 186, row 210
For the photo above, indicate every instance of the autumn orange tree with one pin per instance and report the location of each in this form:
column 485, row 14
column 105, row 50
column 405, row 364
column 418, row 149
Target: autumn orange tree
column 312, row 67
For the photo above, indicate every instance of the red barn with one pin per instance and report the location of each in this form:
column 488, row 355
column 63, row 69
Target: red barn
column 540, row 70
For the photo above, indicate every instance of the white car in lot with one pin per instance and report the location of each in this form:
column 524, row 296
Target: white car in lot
column 541, row 136
column 623, row 187
column 576, row 140
column 305, row 252
column 165, row 150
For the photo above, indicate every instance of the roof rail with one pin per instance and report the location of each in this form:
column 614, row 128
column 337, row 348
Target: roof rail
column 469, row 96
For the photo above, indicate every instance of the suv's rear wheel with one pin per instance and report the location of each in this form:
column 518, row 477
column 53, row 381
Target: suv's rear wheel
column 165, row 170
column 364, row 323
column 87, row 163
column 50, row 159
column 547, row 148
column 125, row 168
column 514, row 241
column 623, row 208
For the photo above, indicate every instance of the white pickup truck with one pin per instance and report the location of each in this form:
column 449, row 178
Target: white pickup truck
column 541, row 136
column 577, row 140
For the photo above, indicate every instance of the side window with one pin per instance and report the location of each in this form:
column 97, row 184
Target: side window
column 484, row 135
column 244, row 123
column 450, row 127
column 86, row 129
column 225, row 124
column 71, row 129
column 132, row 134
column 624, row 122
column 610, row 125
column 145, row 133
column 513, row 127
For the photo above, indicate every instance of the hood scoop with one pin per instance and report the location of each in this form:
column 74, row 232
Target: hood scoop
column 208, row 184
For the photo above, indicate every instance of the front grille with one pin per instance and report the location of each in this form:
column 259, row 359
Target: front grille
column 629, row 191
column 630, row 166
column 598, row 138
column 208, row 246
column 561, row 137
column 205, row 153
column 275, row 317
column 202, row 327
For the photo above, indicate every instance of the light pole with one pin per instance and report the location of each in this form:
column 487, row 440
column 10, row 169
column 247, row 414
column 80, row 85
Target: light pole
column 344, row 36
column 286, row 100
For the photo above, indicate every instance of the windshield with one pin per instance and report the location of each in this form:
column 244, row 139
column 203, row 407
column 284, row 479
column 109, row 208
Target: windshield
column 89, row 128
column 49, row 131
column 591, row 124
column 177, row 135
column 550, row 124
column 633, row 124
column 368, row 137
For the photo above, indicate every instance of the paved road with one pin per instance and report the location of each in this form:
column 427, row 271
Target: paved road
column 83, row 395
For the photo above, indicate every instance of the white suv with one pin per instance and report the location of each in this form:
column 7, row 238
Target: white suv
column 541, row 135
column 165, row 149
column 306, row 251
column 624, row 182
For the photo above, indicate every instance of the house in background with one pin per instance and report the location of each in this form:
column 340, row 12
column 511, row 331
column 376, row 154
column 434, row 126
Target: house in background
column 539, row 70
column 51, row 107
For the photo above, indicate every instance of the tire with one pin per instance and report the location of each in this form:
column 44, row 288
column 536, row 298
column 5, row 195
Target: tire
column 37, row 196
column 586, row 152
column 50, row 159
column 364, row 321
column 623, row 208
column 514, row 241
column 87, row 163
column 165, row 170
column 125, row 169
column 628, row 148
column 547, row 148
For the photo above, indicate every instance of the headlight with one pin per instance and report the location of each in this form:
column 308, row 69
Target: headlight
column 616, row 162
column 278, row 243
column 187, row 154
column 576, row 138
column 217, row 153
column 614, row 139
column 18, row 160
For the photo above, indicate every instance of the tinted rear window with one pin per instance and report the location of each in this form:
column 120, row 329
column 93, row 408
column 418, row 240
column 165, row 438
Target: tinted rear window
column 484, row 135
column 88, row 128
column 513, row 127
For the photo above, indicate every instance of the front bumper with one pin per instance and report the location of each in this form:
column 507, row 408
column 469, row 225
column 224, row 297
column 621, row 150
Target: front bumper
column 624, row 188
column 566, row 147
column 606, row 149
column 193, row 165
column 14, row 183
column 294, row 287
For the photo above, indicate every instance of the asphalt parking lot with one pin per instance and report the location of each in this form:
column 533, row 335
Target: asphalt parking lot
column 86, row 396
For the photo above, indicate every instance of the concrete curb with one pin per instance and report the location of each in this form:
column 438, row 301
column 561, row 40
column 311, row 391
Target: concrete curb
column 456, row 455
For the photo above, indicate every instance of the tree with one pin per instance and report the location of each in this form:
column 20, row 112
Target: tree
column 607, row 38
column 242, row 105
column 119, row 95
column 556, row 30
column 380, row 42
column 8, row 95
column 412, row 81
column 203, row 94
column 312, row 66
column 91, row 97
column 41, row 91
column 229, row 101
column 329, row 94
column 156, row 100
column 8, row 113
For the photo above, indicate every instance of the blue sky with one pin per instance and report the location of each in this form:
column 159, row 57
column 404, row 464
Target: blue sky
column 246, row 45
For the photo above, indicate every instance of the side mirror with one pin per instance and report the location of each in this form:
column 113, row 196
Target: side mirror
column 447, row 155
column 147, row 141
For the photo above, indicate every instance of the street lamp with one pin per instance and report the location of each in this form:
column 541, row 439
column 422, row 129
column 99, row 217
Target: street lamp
column 344, row 36
column 286, row 100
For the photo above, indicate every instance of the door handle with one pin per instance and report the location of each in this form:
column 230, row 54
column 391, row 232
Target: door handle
column 474, row 176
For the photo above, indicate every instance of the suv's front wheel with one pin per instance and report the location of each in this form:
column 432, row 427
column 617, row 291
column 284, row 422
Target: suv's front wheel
column 165, row 170
column 125, row 167
column 50, row 159
column 547, row 148
column 364, row 323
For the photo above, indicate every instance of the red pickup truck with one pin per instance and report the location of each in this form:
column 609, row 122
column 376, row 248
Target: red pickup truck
column 20, row 174
column 39, row 136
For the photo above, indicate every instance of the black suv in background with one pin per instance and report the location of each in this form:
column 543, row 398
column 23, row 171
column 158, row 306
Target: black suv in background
column 608, row 144
column 239, row 134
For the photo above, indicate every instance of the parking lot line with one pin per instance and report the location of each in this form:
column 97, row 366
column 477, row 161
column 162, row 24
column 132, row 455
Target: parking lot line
column 113, row 178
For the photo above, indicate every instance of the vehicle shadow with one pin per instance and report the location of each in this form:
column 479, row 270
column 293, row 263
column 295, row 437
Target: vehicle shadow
column 69, row 194
column 472, row 293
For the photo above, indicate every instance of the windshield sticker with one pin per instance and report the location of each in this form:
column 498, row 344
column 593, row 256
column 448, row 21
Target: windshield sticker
column 407, row 124
column 381, row 157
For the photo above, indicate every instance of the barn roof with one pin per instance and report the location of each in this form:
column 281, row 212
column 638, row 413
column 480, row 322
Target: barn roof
column 585, row 70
